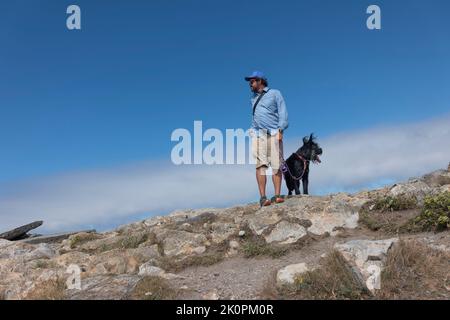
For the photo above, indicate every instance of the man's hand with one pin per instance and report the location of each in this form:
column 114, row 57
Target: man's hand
column 280, row 135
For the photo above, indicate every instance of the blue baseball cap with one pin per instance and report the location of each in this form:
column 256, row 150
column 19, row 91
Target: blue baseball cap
column 256, row 75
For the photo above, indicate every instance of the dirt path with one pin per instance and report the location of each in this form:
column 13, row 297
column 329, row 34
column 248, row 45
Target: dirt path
column 245, row 278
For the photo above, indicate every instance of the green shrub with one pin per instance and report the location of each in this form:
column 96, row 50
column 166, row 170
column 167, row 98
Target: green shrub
column 435, row 214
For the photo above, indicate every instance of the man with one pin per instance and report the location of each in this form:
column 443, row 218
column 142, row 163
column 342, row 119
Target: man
column 270, row 119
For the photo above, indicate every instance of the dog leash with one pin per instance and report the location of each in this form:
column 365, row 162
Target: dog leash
column 285, row 167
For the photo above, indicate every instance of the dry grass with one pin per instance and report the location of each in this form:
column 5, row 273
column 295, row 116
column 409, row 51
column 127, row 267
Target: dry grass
column 213, row 255
column 49, row 290
column 397, row 203
column 388, row 222
column 334, row 279
column 389, row 214
column 367, row 219
column 43, row 264
column 81, row 238
column 269, row 290
column 131, row 241
column 254, row 246
column 415, row 271
column 412, row 271
column 153, row 288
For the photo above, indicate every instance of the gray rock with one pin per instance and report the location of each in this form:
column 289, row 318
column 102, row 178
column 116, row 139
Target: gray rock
column 15, row 250
column 260, row 222
column 325, row 214
column 5, row 243
column 234, row 246
column 286, row 232
column 146, row 252
column 199, row 250
column 176, row 242
column 288, row 274
column 368, row 257
column 149, row 270
column 20, row 232
column 414, row 188
column 152, row 221
column 42, row 251
column 205, row 217
column 57, row 237
column 222, row 231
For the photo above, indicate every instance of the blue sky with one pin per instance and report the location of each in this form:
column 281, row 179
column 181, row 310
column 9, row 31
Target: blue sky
column 110, row 95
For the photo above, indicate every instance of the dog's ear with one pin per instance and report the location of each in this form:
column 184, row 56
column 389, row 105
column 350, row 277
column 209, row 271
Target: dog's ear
column 311, row 137
column 305, row 140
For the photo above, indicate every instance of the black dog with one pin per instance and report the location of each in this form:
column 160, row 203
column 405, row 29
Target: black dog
column 298, row 165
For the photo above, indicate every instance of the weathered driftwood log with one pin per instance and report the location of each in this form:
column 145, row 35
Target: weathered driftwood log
column 53, row 237
column 20, row 232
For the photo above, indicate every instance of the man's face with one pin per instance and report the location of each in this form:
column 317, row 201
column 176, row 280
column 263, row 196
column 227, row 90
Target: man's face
column 255, row 84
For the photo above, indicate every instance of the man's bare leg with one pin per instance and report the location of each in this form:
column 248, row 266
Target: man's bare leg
column 276, row 179
column 261, row 179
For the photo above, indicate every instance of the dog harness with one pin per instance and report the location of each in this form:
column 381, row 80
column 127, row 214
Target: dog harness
column 285, row 167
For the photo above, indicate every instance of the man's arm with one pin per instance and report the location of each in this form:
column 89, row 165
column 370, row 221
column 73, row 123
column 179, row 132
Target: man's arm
column 282, row 112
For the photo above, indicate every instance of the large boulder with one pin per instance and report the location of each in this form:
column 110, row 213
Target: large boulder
column 413, row 188
column 286, row 232
column 327, row 214
column 367, row 257
column 258, row 223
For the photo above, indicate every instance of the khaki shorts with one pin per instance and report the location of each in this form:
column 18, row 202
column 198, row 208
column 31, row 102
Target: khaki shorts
column 266, row 151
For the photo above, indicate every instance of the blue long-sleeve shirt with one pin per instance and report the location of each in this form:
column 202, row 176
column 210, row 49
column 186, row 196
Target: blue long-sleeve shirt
column 270, row 113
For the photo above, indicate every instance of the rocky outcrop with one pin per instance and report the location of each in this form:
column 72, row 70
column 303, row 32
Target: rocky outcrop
column 110, row 264
column 432, row 183
column 20, row 232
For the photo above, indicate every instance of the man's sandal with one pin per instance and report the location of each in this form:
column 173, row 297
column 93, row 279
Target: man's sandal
column 264, row 202
column 278, row 198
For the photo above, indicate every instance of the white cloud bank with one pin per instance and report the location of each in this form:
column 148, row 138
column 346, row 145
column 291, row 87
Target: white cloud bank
column 108, row 197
